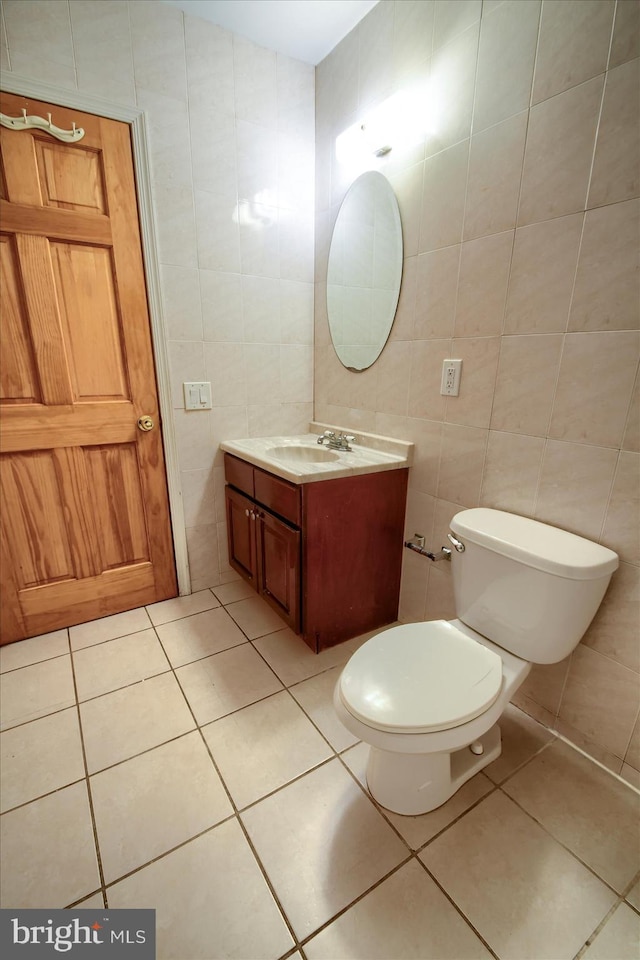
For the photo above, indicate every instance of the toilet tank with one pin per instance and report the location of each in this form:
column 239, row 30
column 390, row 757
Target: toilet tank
column 531, row 588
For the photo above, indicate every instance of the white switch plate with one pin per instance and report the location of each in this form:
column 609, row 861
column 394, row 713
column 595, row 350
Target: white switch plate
column 197, row 396
column 451, row 373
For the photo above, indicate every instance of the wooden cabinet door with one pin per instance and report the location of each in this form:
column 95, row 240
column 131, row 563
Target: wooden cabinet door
column 278, row 554
column 85, row 525
column 241, row 537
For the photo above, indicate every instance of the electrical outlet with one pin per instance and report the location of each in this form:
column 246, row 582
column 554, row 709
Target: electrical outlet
column 451, row 373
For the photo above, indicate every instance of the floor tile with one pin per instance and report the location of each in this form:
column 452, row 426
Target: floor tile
column 48, row 851
column 522, row 738
column 36, row 691
column 264, row 746
column 211, row 900
column 315, row 696
column 40, row 757
column 24, row 652
column 199, row 636
column 117, row 663
column 585, row 808
column 147, row 805
column 619, row 939
column 226, row 682
column 522, row 891
column 96, row 902
column 322, row 843
column 630, row 775
column 255, row 617
column 633, row 895
column 417, row 830
column 121, row 724
column 293, row 661
column 167, row 610
column 236, row 590
column 109, row 628
column 406, row 916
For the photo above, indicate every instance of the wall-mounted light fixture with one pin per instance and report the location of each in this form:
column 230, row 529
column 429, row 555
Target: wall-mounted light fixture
column 398, row 123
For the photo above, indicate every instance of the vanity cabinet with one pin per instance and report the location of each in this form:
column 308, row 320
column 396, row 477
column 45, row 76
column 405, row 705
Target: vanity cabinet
column 326, row 555
column 265, row 550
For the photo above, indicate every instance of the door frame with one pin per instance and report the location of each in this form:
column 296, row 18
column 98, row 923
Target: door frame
column 136, row 118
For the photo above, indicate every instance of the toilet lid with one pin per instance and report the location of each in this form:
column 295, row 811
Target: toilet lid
column 420, row 677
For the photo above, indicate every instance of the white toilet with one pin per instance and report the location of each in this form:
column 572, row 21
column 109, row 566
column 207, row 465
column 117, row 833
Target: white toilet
column 426, row 696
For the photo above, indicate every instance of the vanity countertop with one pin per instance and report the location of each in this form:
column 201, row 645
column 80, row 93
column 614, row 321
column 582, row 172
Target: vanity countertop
column 370, row 453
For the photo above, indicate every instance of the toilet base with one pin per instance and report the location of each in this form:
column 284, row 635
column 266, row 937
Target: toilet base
column 415, row 783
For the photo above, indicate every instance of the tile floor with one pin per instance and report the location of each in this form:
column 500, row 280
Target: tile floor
column 186, row 757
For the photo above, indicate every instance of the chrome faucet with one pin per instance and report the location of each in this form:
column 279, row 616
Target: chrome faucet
column 340, row 441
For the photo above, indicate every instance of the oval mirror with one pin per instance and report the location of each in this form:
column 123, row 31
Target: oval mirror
column 365, row 271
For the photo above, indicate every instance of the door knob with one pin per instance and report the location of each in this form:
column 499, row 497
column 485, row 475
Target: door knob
column 145, row 423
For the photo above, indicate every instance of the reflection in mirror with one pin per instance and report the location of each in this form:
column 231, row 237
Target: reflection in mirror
column 365, row 271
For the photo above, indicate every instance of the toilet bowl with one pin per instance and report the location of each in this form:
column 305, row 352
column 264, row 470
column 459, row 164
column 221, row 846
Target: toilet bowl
column 427, row 696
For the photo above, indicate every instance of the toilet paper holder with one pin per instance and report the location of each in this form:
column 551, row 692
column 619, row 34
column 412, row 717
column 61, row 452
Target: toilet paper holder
column 417, row 545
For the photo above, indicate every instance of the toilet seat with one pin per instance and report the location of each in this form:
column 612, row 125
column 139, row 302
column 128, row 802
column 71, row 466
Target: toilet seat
column 420, row 677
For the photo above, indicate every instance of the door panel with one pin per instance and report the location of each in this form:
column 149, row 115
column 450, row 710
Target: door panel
column 113, row 477
column 36, row 273
column 278, row 547
column 18, row 376
column 85, row 520
column 70, row 176
column 33, row 519
column 84, row 282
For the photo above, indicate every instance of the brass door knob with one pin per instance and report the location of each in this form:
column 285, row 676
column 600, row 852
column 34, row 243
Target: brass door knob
column 145, row 423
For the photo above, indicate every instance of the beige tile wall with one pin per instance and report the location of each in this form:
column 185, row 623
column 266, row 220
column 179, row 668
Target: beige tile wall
column 231, row 142
column 520, row 216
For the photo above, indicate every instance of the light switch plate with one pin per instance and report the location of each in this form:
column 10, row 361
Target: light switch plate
column 197, row 396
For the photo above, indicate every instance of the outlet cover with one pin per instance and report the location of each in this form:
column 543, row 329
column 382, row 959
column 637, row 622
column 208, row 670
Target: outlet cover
column 451, row 373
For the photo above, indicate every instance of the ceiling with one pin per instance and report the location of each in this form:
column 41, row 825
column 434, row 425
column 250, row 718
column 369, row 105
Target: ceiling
column 304, row 29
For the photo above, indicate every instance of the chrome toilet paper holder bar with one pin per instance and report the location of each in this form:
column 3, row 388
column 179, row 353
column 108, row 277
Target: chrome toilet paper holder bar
column 417, row 545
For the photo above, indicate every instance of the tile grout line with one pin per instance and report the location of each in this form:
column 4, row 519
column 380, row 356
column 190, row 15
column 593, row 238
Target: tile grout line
column 600, row 927
column 233, row 816
column 415, row 855
column 87, row 779
column 356, row 900
column 412, row 855
column 561, row 843
column 458, row 909
column 236, row 814
column 238, row 811
column 497, row 787
column 598, row 763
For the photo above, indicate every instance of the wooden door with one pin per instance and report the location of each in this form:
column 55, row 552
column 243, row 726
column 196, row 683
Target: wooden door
column 84, row 520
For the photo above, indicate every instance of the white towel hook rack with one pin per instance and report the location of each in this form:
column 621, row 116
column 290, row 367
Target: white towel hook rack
column 29, row 122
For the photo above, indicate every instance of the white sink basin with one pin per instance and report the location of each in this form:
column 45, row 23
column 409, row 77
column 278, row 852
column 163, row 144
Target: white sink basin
column 299, row 458
column 301, row 453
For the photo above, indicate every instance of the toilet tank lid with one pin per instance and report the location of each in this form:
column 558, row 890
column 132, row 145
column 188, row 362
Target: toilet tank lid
column 535, row 544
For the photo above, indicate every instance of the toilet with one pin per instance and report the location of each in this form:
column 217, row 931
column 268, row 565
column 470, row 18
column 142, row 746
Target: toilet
column 427, row 696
